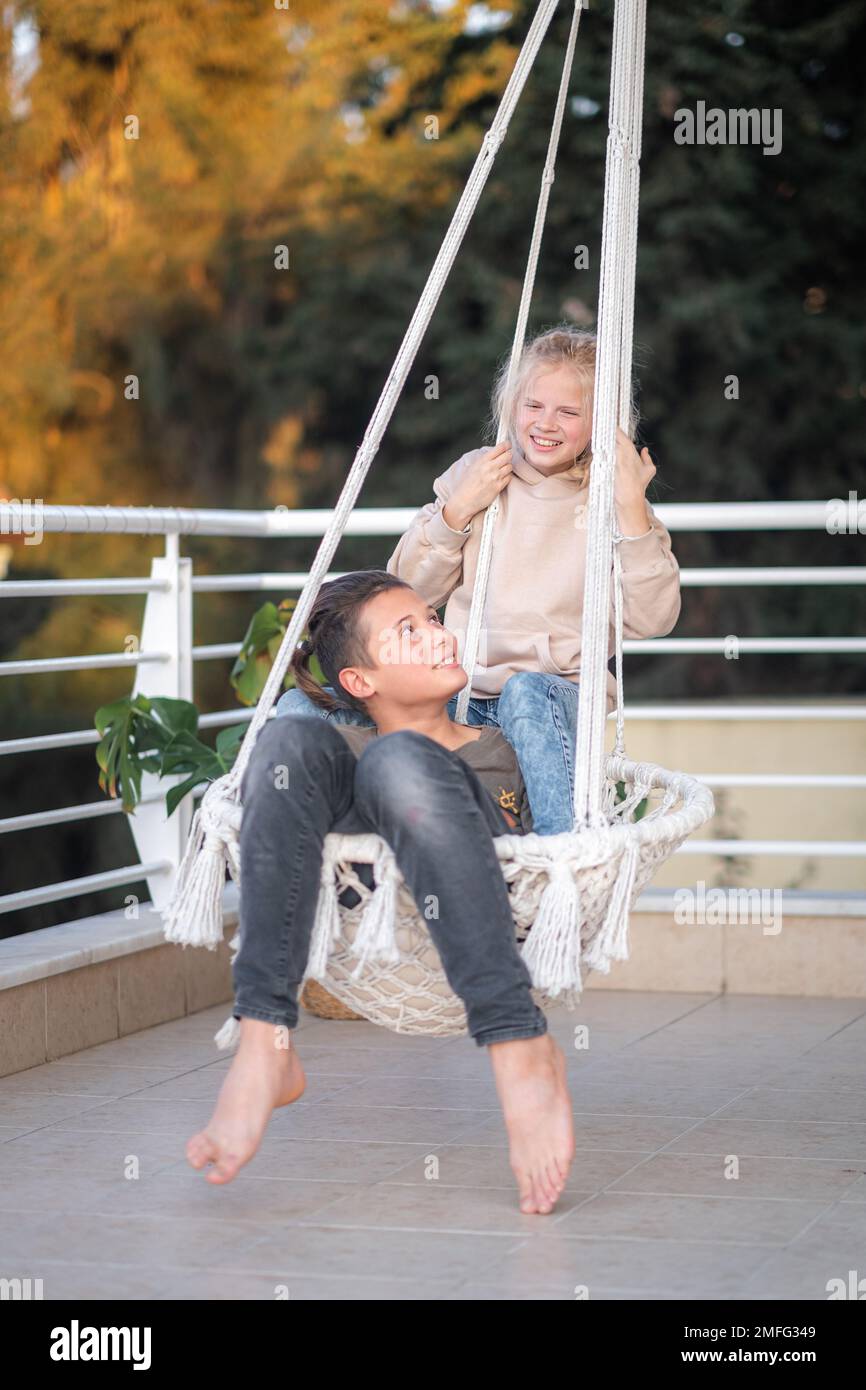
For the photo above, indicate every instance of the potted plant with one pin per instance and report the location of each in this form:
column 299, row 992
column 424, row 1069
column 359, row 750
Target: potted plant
column 139, row 733
column 142, row 734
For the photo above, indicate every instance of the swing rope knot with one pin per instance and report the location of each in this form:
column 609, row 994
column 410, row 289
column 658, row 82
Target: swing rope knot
column 491, row 142
column 619, row 144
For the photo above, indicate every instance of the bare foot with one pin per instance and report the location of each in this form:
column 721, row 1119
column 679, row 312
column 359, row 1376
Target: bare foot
column 264, row 1074
column 530, row 1078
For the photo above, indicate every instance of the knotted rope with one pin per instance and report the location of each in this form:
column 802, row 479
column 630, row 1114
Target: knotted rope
column 194, row 915
column 553, row 948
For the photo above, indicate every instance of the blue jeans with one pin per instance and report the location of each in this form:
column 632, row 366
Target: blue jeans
column 537, row 713
column 302, row 781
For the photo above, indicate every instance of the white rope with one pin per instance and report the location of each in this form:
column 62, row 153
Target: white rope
column 611, row 406
column 397, row 377
column 474, row 622
column 193, row 913
column 570, row 892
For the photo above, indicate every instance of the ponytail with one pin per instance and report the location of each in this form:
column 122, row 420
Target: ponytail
column 306, row 681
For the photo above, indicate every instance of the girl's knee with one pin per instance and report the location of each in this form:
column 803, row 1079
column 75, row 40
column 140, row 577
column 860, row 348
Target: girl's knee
column 296, row 702
column 523, row 691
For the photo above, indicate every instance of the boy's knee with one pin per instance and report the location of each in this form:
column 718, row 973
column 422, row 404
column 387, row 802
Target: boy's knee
column 392, row 764
column 288, row 743
column 391, row 754
column 294, row 730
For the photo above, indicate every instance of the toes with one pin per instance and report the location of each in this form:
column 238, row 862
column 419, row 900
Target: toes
column 546, row 1198
column 202, row 1150
column 225, row 1168
column 529, row 1187
column 199, row 1150
column 539, row 1189
column 525, row 1189
column 541, row 1203
column 554, row 1180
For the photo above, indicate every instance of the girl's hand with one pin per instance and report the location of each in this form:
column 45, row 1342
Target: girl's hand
column 633, row 474
column 483, row 480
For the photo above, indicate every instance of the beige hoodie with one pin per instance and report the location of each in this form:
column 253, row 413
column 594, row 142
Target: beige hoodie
column 534, row 607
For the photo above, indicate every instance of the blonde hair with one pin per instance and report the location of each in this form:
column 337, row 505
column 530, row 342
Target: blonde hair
column 561, row 346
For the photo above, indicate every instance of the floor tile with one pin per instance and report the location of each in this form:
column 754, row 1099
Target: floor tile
column 728, row 1220
column 390, row 1179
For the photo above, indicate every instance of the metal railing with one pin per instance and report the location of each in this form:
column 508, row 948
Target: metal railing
column 167, row 657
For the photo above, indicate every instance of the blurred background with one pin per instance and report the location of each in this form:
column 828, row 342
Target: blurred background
column 258, row 126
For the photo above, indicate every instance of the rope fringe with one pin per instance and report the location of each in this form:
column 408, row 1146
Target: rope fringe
column 552, row 948
column 611, row 941
column 194, row 917
column 229, row 1035
column 376, row 938
column 326, row 926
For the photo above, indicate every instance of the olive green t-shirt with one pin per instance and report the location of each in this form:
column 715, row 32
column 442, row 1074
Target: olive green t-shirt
column 493, row 760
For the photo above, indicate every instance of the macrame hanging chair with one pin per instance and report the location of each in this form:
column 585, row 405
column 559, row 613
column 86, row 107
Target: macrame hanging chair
column 570, row 893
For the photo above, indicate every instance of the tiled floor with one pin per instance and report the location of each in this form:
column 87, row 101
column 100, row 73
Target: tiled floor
column 721, row 1154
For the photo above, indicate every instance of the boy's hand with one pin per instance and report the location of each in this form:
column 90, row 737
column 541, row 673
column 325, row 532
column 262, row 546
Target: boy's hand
column 483, row 480
column 633, row 475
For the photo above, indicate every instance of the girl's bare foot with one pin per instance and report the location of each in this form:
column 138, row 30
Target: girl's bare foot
column 530, row 1079
column 265, row 1073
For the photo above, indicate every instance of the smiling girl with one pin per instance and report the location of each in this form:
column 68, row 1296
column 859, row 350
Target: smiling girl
column 527, row 677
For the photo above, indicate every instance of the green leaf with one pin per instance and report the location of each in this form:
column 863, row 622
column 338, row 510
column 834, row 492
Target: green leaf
column 135, row 733
column 175, row 795
column 159, row 735
column 107, row 715
column 228, row 742
column 175, row 715
column 259, row 647
column 186, row 753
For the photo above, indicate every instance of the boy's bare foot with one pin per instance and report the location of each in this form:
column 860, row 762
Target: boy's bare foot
column 264, row 1074
column 530, row 1079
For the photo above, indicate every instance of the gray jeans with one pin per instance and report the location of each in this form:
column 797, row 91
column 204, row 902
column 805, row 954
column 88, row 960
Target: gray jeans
column 302, row 781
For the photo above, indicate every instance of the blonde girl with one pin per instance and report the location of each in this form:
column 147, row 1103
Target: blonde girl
column 527, row 678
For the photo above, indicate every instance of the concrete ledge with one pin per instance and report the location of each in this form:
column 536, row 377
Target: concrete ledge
column 70, row 987
column 810, row 957
column 87, row 982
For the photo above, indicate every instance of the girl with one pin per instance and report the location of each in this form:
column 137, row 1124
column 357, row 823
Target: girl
column 527, row 678
column 430, row 787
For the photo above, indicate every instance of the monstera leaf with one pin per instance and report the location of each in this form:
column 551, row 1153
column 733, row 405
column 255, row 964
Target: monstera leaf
column 258, row 649
column 159, row 735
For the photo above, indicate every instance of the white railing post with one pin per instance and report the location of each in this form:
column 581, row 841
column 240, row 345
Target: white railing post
column 167, row 626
